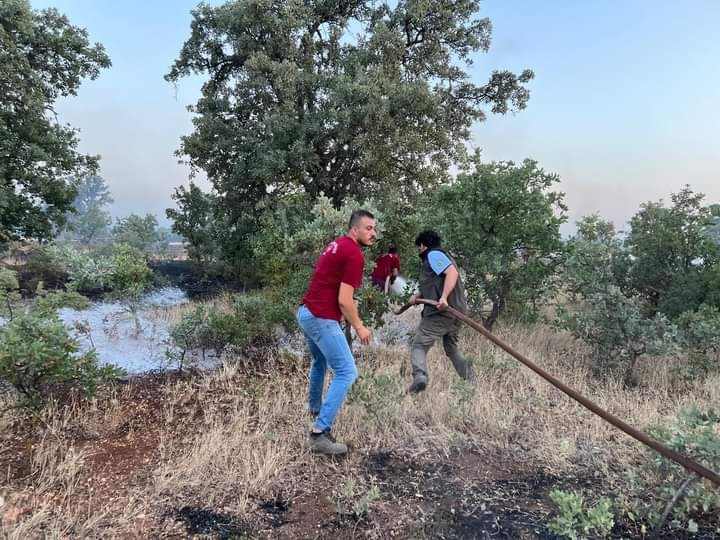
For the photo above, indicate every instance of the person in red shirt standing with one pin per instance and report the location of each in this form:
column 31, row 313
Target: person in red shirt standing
column 329, row 298
column 387, row 268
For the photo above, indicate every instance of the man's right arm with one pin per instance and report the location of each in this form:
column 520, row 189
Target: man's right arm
column 350, row 312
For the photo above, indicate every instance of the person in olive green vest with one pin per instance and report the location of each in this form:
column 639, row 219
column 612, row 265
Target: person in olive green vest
column 439, row 280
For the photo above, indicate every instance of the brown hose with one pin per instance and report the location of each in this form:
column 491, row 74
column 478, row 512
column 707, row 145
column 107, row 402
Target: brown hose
column 688, row 463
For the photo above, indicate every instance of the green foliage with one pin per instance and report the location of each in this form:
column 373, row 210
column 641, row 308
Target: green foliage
column 42, row 58
column 41, row 267
column 348, row 99
column 596, row 259
column 244, row 321
column 9, row 294
column 573, row 520
column 699, row 333
column 616, row 328
column 404, row 218
column 672, row 253
column 604, row 310
column 372, row 303
column 210, row 238
column 712, row 227
column 649, row 488
column 464, row 391
column 86, row 272
column 36, row 352
column 140, row 232
column 502, row 223
column 124, row 273
column 47, row 303
column 376, row 393
column 130, row 275
column 629, row 298
column 356, row 498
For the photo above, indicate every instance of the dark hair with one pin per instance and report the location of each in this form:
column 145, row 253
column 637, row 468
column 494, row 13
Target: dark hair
column 429, row 238
column 357, row 215
column 392, row 249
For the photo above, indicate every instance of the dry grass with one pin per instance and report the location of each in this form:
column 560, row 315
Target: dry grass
column 245, row 442
column 56, row 470
column 231, row 438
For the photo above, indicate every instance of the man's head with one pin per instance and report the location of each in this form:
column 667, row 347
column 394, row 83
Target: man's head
column 362, row 228
column 392, row 250
column 428, row 239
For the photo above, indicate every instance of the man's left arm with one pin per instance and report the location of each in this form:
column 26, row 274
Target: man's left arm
column 451, row 277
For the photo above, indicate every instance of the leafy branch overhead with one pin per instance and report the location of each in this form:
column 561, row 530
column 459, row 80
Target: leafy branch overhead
column 42, row 58
column 336, row 97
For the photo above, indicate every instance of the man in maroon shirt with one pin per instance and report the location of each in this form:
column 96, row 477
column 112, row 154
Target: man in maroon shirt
column 387, row 268
column 329, row 298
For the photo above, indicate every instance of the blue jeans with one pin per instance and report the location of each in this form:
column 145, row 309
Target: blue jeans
column 329, row 349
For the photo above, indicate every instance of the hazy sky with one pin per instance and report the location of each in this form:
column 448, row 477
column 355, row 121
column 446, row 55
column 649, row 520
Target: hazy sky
column 624, row 106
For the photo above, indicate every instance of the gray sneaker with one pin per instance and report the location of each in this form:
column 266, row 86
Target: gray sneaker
column 325, row 444
column 418, row 385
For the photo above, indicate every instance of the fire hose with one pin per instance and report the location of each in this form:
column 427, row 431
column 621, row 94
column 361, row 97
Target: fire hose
column 636, row 434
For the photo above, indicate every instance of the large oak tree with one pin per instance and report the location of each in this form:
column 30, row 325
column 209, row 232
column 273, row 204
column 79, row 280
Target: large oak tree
column 341, row 97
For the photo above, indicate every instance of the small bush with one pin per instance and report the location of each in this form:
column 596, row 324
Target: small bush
column 356, row 498
column 248, row 319
column 41, row 267
column 37, row 354
column 650, row 487
column 130, row 271
column 123, row 271
column 36, row 351
column 616, row 328
column 464, row 391
column 376, row 393
column 86, row 273
column 700, row 337
column 372, row 304
column 573, row 520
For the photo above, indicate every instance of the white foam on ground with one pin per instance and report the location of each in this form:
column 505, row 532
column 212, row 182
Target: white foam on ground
column 114, row 335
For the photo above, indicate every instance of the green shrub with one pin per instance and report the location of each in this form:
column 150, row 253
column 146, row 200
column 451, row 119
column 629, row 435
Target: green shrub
column 372, row 304
column 376, row 393
column 700, row 336
column 573, row 520
column 502, row 222
column 140, row 232
column 8, row 292
column 356, row 498
column 650, row 487
column 36, row 351
column 464, row 391
column 37, row 354
column 87, row 273
column 122, row 270
column 613, row 324
column 41, row 267
column 249, row 319
column 130, row 273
